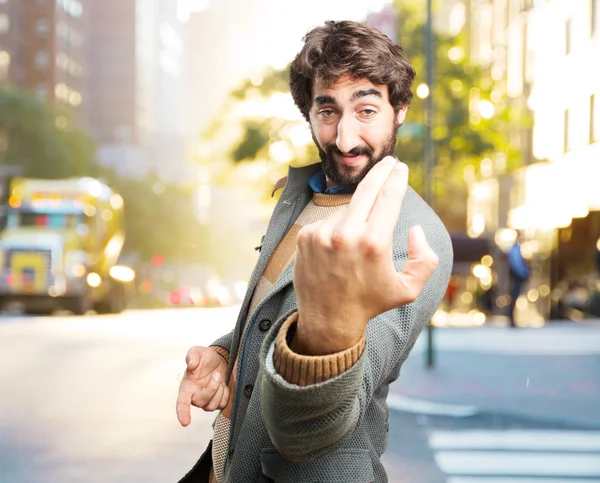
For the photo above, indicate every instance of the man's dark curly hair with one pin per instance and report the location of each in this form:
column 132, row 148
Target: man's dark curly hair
column 349, row 48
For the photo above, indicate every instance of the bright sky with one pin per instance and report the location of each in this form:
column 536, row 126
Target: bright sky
column 269, row 32
column 283, row 39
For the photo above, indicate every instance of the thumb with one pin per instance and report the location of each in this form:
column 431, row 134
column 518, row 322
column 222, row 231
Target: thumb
column 192, row 359
column 422, row 262
column 417, row 243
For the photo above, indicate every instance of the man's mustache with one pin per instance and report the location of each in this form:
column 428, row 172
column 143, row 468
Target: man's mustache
column 357, row 151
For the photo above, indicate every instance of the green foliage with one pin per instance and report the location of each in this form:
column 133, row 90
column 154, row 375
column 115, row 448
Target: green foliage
column 272, row 81
column 255, row 138
column 160, row 220
column 40, row 139
column 45, row 143
column 461, row 137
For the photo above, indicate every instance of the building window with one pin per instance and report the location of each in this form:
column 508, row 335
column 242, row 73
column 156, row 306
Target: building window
column 594, row 108
column 566, row 132
column 42, row 28
column 41, row 60
column 568, row 37
column 593, row 17
column 4, row 23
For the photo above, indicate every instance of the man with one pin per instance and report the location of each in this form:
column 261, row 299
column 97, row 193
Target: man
column 352, row 267
column 519, row 273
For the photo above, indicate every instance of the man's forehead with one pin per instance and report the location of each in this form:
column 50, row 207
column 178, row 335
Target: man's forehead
column 348, row 86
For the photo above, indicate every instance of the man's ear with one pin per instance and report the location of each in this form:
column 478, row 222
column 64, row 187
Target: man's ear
column 401, row 114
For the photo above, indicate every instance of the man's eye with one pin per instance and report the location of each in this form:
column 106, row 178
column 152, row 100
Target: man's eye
column 369, row 112
column 326, row 112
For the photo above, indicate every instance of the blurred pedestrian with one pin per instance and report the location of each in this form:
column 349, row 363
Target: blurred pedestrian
column 519, row 271
column 597, row 255
column 345, row 282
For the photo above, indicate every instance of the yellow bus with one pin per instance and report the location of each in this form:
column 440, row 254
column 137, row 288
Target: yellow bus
column 60, row 247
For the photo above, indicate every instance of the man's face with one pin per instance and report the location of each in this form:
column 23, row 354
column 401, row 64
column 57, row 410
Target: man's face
column 354, row 127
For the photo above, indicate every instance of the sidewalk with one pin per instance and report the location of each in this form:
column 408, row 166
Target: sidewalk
column 551, row 373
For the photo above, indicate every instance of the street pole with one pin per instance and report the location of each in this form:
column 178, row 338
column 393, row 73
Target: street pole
column 429, row 154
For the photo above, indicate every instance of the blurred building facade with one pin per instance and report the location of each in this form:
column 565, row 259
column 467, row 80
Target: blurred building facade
column 42, row 49
column 542, row 56
column 206, row 67
column 135, row 53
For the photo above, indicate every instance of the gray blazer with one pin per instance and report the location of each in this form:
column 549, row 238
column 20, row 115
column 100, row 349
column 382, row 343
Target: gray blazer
column 334, row 431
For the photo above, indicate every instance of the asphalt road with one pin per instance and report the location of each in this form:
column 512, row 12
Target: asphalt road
column 91, row 399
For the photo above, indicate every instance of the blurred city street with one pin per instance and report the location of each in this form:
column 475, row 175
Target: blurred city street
column 144, row 146
column 91, row 399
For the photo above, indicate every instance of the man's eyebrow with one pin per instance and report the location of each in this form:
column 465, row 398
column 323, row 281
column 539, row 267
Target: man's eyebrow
column 320, row 100
column 366, row 92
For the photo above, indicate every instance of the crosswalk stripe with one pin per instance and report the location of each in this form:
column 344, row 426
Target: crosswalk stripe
column 421, row 406
column 558, row 341
column 526, row 440
column 503, row 479
column 501, row 463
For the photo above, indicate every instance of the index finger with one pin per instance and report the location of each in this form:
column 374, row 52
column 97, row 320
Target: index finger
column 183, row 406
column 366, row 193
column 388, row 205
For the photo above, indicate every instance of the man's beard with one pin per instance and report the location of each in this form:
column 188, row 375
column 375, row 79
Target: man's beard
column 344, row 176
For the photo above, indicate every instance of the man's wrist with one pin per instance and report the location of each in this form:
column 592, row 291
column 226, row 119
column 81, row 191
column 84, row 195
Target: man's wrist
column 322, row 338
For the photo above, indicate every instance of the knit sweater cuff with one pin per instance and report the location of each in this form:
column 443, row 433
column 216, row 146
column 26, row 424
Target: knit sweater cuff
column 224, row 353
column 305, row 370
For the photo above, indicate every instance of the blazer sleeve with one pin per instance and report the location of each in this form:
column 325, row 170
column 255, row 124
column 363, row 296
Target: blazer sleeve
column 223, row 342
column 307, row 419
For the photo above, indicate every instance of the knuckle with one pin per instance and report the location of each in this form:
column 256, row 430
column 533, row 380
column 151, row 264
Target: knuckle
column 372, row 246
column 321, row 239
column 182, row 405
column 213, row 385
column 190, row 353
column 185, row 387
column 304, row 236
column 197, row 399
column 339, row 239
column 202, row 398
column 182, row 399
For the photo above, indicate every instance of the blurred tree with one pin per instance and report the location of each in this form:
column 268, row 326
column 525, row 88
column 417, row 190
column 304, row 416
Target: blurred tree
column 42, row 140
column 160, row 220
column 45, row 142
column 472, row 119
column 256, row 136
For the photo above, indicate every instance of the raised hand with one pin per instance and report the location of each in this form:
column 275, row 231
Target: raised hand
column 344, row 273
column 203, row 384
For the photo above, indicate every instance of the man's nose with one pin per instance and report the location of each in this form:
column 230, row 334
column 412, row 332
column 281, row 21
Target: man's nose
column 347, row 134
